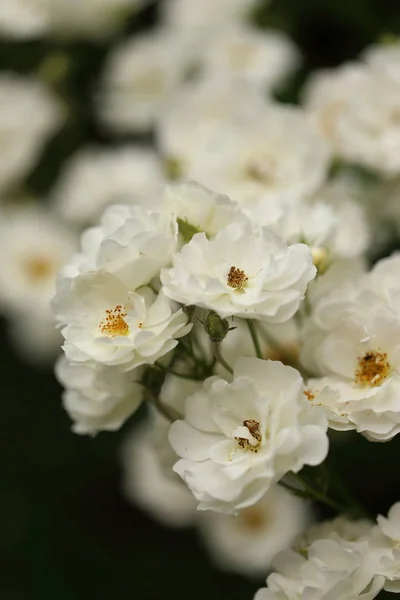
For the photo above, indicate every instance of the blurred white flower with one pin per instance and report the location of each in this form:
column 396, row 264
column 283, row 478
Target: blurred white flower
column 383, row 281
column 240, row 438
column 140, row 75
column 245, row 53
column 332, row 223
column 29, row 115
column 131, row 242
column 195, row 112
column 390, row 526
column 199, row 18
column 351, row 235
column 274, row 152
column 95, row 178
column 103, row 322
column 384, row 58
column 247, row 542
column 250, row 274
column 30, row 19
column 98, row 398
column 148, row 478
column 342, row 527
column 357, row 110
column 388, row 541
column 334, row 568
column 35, row 246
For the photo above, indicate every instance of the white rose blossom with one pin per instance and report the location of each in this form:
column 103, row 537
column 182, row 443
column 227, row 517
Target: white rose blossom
column 103, row 322
column 334, row 568
column 95, row 178
column 384, row 58
column 98, row 398
column 36, row 246
column 352, row 341
column 356, row 108
column 247, row 542
column 132, row 242
column 148, row 479
column 140, row 75
column 342, row 527
column 188, row 16
column 30, row 114
column 193, row 114
column 273, row 152
column 240, row 438
column 147, row 461
column 388, row 542
column 330, row 230
column 250, row 274
column 245, row 53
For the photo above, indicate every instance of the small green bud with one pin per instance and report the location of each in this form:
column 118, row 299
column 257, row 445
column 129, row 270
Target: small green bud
column 173, row 168
column 215, row 327
column 321, row 258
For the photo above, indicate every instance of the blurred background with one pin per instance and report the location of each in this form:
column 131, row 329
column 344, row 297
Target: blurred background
column 67, row 531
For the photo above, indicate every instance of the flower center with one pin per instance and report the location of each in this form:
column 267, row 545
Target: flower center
column 150, row 83
column 321, row 258
column 253, row 518
column 329, row 117
column 309, row 394
column 240, row 55
column 38, row 268
column 253, row 441
column 260, row 171
column 373, row 368
column 237, row 278
column 114, row 323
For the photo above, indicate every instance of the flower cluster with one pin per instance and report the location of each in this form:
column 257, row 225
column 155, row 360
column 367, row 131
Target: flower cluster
column 232, row 278
column 341, row 559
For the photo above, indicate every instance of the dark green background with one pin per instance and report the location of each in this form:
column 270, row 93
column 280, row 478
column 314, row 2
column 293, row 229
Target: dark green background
column 66, row 533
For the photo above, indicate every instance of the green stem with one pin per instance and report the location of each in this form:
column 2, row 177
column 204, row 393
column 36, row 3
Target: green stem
column 254, row 337
column 218, row 356
column 163, row 410
column 307, row 490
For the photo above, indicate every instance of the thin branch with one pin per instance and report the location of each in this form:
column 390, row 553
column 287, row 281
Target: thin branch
column 218, row 356
column 254, row 337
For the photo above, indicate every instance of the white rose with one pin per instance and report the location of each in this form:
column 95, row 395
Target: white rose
column 140, row 75
column 334, row 568
column 132, row 242
column 242, row 272
column 103, row 322
column 247, row 542
column 95, row 178
column 98, row 398
column 240, row 438
column 30, row 114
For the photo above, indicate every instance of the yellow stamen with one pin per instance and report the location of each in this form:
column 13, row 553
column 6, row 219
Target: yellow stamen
column 237, row 278
column 38, row 268
column 114, row 323
column 254, row 429
column 373, row 369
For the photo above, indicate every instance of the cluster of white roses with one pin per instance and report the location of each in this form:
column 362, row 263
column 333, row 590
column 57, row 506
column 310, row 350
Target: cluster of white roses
column 340, row 559
column 227, row 286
